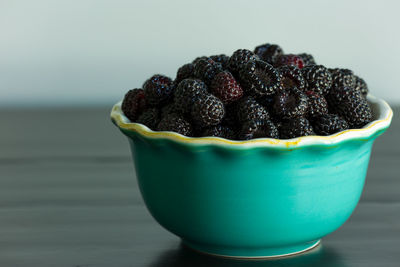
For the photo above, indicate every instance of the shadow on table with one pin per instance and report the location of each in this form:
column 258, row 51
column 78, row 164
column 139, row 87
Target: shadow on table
column 183, row 256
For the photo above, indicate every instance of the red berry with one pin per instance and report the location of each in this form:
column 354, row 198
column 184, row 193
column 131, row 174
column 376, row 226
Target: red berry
column 290, row 59
column 226, row 88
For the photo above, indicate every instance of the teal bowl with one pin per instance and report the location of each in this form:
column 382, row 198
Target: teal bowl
column 258, row 198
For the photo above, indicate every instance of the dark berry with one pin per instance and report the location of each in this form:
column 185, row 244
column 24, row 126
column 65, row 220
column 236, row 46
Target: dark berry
column 268, row 52
column 295, row 128
column 207, row 110
column 317, row 104
column 289, row 59
column 307, row 59
column 150, row 118
column 318, row 78
column 230, row 118
column 343, row 94
column 361, row 85
column 249, row 110
column 133, row 104
column 185, row 72
column 219, row 131
column 206, row 69
column 225, row 87
column 291, row 76
column 328, row 124
column 175, row 123
column 350, row 104
column 197, row 59
column 266, row 101
column 186, row 94
column 277, row 122
column 239, row 58
column 258, row 129
column 342, row 77
column 290, row 103
column 170, row 108
column 157, row 89
column 357, row 114
column 260, row 78
column 222, row 59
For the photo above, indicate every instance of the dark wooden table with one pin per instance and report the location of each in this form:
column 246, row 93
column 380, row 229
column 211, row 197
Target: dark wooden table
column 69, row 197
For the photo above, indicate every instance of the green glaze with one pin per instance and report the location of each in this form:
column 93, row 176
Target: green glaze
column 253, row 201
column 249, row 202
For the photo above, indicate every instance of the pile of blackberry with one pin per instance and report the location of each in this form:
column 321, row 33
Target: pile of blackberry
column 252, row 94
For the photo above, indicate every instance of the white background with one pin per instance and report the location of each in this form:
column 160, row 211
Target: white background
column 58, row 53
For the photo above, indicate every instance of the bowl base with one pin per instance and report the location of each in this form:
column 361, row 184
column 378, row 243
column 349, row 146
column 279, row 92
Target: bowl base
column 253, row 253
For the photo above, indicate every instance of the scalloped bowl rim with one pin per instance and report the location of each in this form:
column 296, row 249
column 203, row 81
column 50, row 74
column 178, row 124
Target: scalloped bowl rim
column 381, row 109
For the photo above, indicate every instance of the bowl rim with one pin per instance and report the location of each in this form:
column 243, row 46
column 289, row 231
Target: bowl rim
column 383, row 119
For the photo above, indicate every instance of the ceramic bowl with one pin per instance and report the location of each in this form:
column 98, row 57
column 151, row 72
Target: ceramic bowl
column 258, row 198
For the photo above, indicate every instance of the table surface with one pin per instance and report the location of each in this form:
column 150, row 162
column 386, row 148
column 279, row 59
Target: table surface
column 69, row 197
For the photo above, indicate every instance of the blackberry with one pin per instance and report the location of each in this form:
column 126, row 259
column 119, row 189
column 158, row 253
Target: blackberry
column 197, row 59
column 186, row 93
column 265, row 101
column 150, row 118
column 261, row 49
column 307, row 59
column 291, row 76
column 361, row 85
column 225, row 87
column 133, row 104
column 184, row 72
column 249, row 110
column 207, row 110
column 260, row 78
column 290, row 103
column 157, row 89
column 258, row 129
column 175, row 123
column 289, row 59
column 230, row 118
column 239, row 58
column 349, row 103
column 222, row 59
column 277, row 122
column 268, row 52
column 206, row 69
column 328, row 124
column 170, row 108
column 342, row 77
column 343, row 94
column 219, row 131
column 357, row 114
column 317, row 104
column 318, row 78
column 295, row 128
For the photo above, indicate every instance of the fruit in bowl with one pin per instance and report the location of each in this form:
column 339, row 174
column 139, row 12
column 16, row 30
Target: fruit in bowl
column 260, row 154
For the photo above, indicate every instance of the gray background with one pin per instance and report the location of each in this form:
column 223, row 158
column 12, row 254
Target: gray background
column 91, row 52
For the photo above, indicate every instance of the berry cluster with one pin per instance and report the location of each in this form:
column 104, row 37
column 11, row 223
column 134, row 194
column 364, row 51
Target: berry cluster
column 265, row 93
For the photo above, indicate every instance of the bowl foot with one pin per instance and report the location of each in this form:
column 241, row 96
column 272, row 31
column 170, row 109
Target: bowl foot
column 252, row 253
